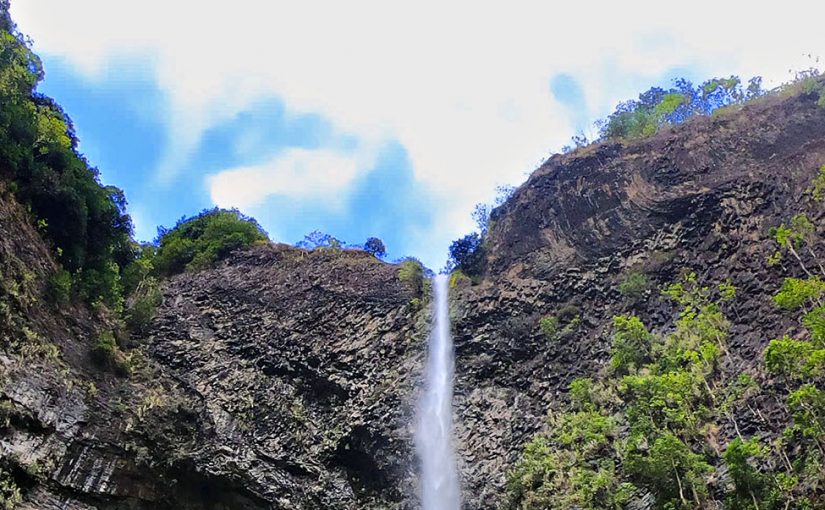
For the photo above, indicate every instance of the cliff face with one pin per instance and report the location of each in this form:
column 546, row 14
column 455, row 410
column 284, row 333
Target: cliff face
column 281, row 379
column 287, row 379
column 302, row 367
column 700, row 197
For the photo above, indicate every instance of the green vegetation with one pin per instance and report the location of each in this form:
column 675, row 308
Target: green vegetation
column 467, row 255
column 60, row 286
column 549, row 327
column 107, row 354
column 572, row 467
column 658, row 107
column 142, row 306
column 375, row 247
column 198, row 242
column 794, row 359
column 631, row 344
column 646, row 425
column 411, row 273
column 798, row 234
column 317, row 239
column 817, row 189
column 634, row 285
column 561, row 326
column 84, row 221
column 796, row 292
column 458, row 278
column 10, row 494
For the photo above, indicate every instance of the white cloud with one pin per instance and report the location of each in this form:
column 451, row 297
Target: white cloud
column 297, row 173
column 464, row 86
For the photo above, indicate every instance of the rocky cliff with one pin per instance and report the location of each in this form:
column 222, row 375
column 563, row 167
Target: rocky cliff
column 699, row 197
column 285, row 378
column 280, row 379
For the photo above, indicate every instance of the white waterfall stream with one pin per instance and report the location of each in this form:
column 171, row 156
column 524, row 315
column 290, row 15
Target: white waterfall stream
column 433, row 436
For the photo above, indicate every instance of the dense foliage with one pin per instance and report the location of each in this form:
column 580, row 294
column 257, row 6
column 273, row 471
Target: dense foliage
column 84, row 221
column 375, row 246
column 658, row 107
column 199, row 241
column 467, row 253
column 663, row 419
column 644, row 426
column 653, row 418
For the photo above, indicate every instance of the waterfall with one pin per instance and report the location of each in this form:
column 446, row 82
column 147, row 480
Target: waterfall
column 433, row 437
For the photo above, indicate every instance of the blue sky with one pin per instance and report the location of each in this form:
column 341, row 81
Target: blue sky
column 366, row 119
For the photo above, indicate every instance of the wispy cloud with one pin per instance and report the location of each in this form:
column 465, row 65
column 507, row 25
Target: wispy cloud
column 319, row 174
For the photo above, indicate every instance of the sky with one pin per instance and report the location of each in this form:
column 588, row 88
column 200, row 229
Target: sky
column 371, row 118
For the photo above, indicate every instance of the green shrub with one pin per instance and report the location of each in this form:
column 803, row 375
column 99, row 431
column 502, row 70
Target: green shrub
column 674, row 473
column 817, row 188
column 140, row 269
column 562, row 325
column 200, row 241
column 796, row 292
column 634, row 285
column 142, row 305
column 375, row 246
column 60, row 287
column 631, row 343
column 571, row 466
column 10, row 494
column 411, row 273
column 459, row 279
column 750, row 484
column 794, row 358
column 106, row 354
column 580, row 391
column 467, row 254
column 807, row 406
column 658, row 107
column 101, row 286
column 549, row 327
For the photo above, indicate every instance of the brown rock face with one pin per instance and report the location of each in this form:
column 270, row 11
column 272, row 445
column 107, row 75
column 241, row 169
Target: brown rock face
column 281, row 379
column 302, row 367
column 699, row 197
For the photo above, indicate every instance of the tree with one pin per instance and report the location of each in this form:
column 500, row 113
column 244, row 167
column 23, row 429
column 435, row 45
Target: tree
column 375, row 247
column 85, row 222
column 199, row 241
column 797, row 292
column 670, row 470
column 794, row 359
column 467, row 254
column 572, row 466
column 658, row 107
column 807, row 405
column 318, row 239
column 749, row 482
column 631, row 343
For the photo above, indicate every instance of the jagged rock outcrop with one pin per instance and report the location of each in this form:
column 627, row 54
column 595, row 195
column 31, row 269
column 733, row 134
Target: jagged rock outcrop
column 302, row 366
column 284, row 378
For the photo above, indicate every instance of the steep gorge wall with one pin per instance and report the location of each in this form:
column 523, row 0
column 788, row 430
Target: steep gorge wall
column 287, row 379
column 280, row 379
column 698, row 197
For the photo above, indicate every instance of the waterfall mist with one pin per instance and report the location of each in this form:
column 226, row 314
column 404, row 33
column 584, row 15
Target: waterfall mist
column 433, row 436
